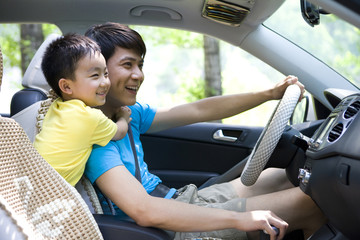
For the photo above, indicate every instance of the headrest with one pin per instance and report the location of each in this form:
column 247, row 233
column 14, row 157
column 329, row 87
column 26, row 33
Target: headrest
column 34, row 77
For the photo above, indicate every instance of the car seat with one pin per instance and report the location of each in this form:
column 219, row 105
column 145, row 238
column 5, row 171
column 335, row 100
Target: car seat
column 29, row 107
column 36, row 194
column 26, row 102
column 35, row 201
column 35, row 89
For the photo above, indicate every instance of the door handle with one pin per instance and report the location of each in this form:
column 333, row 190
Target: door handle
column 219, row 135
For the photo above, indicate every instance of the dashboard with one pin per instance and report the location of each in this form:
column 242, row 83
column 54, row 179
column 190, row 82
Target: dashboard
column 331, row 174
column 336, row 124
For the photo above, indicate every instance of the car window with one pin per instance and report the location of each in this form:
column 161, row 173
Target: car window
column 12, row 74
column 333, row 41
column 174, row 69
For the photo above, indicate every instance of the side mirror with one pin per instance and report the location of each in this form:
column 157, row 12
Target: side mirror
column 301, row 110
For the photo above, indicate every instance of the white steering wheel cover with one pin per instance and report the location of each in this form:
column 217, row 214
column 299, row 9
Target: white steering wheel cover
column 270, row 136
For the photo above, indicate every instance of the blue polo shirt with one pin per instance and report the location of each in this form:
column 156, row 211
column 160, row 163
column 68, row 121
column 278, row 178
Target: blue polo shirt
column 117, row 153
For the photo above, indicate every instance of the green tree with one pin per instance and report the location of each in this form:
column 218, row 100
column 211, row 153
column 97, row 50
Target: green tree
column 9, row 42
column 198, row 87
column 19, row 43
column 163, row 36
column 212, row 67
column 31, row 37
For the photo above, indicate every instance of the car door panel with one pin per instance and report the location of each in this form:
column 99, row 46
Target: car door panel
column 190, row 154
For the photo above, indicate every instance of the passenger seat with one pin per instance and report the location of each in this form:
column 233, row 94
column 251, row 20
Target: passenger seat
column 26, row 102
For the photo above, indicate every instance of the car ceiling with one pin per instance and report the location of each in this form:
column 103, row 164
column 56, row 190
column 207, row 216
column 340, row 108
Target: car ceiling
column 181, row 14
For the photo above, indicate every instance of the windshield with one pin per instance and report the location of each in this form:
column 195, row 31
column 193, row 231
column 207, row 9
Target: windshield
column 339, row 41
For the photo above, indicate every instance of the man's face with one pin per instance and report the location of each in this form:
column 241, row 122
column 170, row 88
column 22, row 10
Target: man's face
column 126, row 77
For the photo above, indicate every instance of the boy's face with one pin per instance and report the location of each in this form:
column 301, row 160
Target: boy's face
column 91, row 80
column 126, row 76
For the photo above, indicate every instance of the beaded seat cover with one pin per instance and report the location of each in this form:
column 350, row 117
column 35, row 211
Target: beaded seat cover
column 37, row 194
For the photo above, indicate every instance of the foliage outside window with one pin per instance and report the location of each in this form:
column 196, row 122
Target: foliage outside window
column 173, row 70
column 333, row 41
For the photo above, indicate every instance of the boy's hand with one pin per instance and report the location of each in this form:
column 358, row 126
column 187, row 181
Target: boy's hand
column 122, row 119
column 123, row 112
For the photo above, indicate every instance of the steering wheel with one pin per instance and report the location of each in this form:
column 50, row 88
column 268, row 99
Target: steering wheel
column 270, row 136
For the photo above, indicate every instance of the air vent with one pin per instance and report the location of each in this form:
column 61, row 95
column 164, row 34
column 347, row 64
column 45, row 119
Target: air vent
column 347, row 101
column 335, row 132
column 225, row 12
column 352, row 110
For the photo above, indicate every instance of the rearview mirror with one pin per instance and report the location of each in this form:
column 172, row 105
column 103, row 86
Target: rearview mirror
column 310, row 12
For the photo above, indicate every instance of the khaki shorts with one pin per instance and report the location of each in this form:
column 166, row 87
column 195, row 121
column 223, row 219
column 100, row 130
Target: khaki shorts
column 221, row 196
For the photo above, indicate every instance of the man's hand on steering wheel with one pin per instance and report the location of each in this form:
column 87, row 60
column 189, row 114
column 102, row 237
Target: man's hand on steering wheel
column 271, row 134
column 279, row 89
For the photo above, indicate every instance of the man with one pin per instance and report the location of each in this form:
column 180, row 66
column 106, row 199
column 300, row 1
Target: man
column 224, row 211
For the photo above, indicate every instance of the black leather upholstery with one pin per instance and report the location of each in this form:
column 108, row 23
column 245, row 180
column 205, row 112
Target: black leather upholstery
column 24, row 98
column 116, row 228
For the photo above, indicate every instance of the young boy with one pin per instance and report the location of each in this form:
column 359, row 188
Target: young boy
column 76, row 70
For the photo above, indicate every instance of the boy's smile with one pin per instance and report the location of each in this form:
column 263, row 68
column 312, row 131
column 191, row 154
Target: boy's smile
column 91, row 83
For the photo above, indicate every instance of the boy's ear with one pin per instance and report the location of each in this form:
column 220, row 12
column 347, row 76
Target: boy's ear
column 65, row 85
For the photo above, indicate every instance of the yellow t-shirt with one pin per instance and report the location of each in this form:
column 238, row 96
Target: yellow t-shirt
column 68, row 132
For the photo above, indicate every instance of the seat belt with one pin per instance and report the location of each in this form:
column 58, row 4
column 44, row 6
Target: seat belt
column 137, row 169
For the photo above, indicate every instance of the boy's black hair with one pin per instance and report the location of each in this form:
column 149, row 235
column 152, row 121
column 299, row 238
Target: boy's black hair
column 111, row 35
column 62, row 56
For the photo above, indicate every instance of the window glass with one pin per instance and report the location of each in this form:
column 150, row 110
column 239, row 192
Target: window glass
column 174, row 68
column 12, row 74
column 333, row 41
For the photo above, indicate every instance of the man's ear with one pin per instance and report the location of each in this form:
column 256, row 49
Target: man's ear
column 65, row 86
